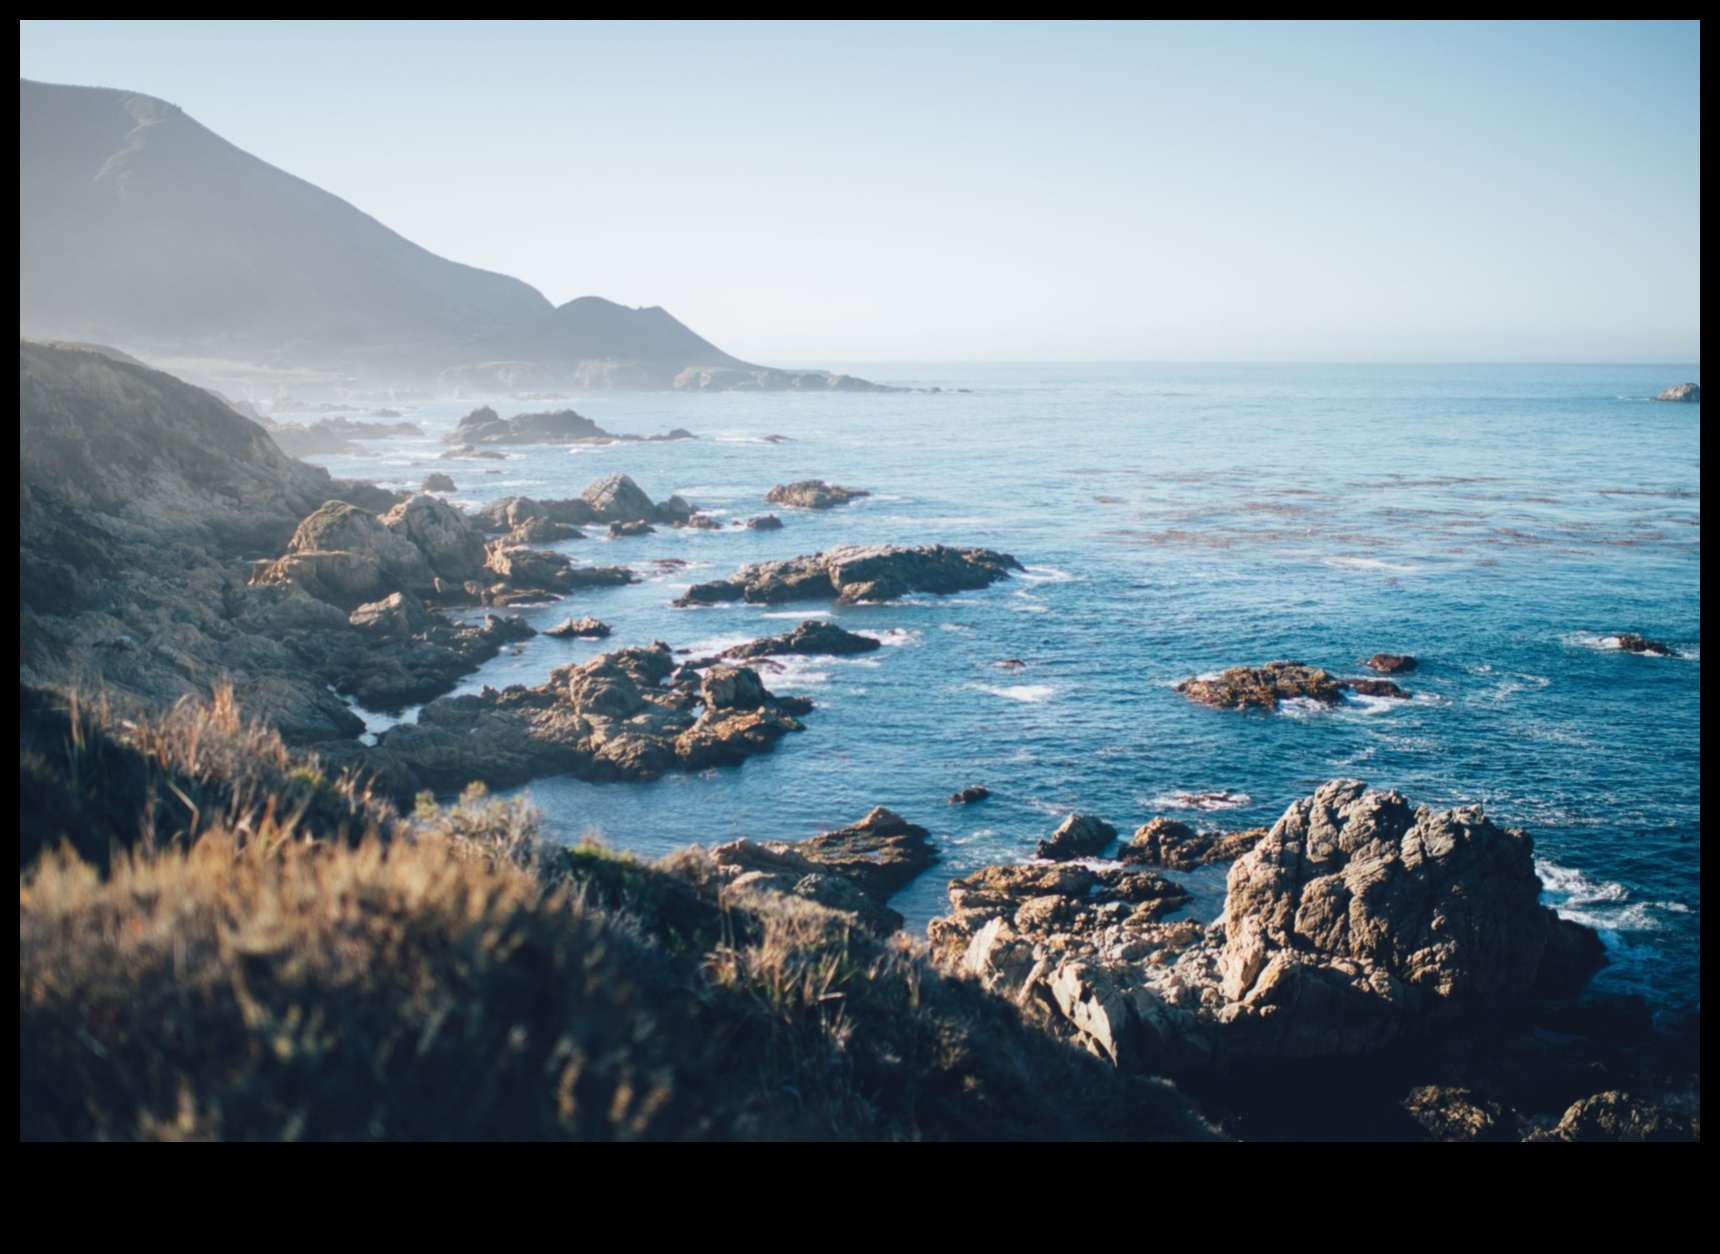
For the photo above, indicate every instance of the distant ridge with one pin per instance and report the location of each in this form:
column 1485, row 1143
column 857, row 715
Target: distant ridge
column 140, row 227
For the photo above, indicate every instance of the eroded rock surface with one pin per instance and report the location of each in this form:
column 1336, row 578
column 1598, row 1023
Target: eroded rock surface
column 1173, row 843
column 1356, row 921
column 853, row 573
column 1263, row 687
column 1078, row 836
column 615, row 717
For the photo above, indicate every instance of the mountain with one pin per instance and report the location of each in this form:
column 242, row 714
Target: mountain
column 141, row 228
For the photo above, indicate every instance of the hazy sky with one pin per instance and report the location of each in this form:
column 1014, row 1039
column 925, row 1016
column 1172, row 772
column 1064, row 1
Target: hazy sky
column 819, row 192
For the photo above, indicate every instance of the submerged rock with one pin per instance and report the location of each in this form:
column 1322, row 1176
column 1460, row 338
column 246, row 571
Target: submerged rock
column 1688, row 393
column 1263, row 687
column 764, row 522
column 1375, row 688
column 852, row 573
column 813, row 494
column 1630, row 642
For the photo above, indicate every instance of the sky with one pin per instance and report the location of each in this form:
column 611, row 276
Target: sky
column 818, row 192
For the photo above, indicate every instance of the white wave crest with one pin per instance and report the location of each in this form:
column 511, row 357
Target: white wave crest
column 1211, row 799
column 1032, row 693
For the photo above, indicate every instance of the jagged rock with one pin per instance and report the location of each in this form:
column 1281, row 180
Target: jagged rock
column 1375, row 688
column 1688, row 393
column 970, row 794
column 634, row 527
column 610, row 718
column 396, row 617
column 780, row 867
column 586, row 628
column 1078, row 836
column 677, row 511
column 436, row 481
column 764, row 522
column 450, row 543
column 1355, row 921
column 732, row 688
column 1630, row 642
column 855, row 573
column 813, row 636
column 882, row 853
column 813, row 494
column 1453, row 1114
column 1619, row 1116
column 1172, row 843
column 616, row 498
column 543, row 530
column 1263, row 687
column 1391, row 663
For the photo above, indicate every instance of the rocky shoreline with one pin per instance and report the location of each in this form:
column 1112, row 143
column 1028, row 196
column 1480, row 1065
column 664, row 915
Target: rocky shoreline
column 170, row 551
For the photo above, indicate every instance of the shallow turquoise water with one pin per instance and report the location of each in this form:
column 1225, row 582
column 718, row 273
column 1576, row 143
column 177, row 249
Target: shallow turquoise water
column 1496, row 521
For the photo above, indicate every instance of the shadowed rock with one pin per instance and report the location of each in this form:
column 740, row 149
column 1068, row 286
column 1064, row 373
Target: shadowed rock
column 436, row 481
column 1375, row 688
column 764, row 522
column 1391, row 663
column 1630, row 642
column 1172, row 843
column 587, row 628
column 611, row 718
column 969, row 795
column 882, row 853
column 814, row 636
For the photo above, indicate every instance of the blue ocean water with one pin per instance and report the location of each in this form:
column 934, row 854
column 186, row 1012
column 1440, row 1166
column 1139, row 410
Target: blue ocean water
column 1499, row 522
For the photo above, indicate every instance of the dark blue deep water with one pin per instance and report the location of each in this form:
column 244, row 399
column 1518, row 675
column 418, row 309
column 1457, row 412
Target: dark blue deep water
column 1499, row 522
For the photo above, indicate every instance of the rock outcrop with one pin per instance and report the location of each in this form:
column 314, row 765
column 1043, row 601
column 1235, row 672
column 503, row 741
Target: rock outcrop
column 562, row 426
column 1391, row 663
column 1686, row 393
column 614, row 717
column 335, row 435
column 813, row 636
column 1263, row 687
column 1078, row 836
column 1356, row 921
column 813, row 494
column 1174, row 844
column 586, row 628
column 854, row 573
column 1630, row 642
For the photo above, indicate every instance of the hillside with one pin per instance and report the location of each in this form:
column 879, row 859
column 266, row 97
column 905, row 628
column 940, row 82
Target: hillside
column 140, row 227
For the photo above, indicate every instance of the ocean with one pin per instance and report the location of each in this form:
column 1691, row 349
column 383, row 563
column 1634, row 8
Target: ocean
column 1501, row 523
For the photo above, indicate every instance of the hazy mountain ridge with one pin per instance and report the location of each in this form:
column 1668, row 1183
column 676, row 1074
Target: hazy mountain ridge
column 142, row 228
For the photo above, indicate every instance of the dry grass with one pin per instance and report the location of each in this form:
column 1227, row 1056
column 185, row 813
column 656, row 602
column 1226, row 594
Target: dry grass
column 458, row 979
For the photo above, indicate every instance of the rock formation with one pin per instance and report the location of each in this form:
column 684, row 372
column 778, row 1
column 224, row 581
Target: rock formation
column 562, row 426
column 1357, row 920
column 813, row 636
column 813, row 494
column 1174, row 844
column 853, row 573
column 1630, row 642
column 1687, row 393
column 1391, row 663
column 1263, row 687
column 612, row 718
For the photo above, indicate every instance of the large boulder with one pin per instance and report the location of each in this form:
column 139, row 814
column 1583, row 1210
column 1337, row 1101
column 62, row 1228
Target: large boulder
column 1687, row 393
column 347, row 556
column 616, row 498
column 450, row 543
column 1078, row 836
